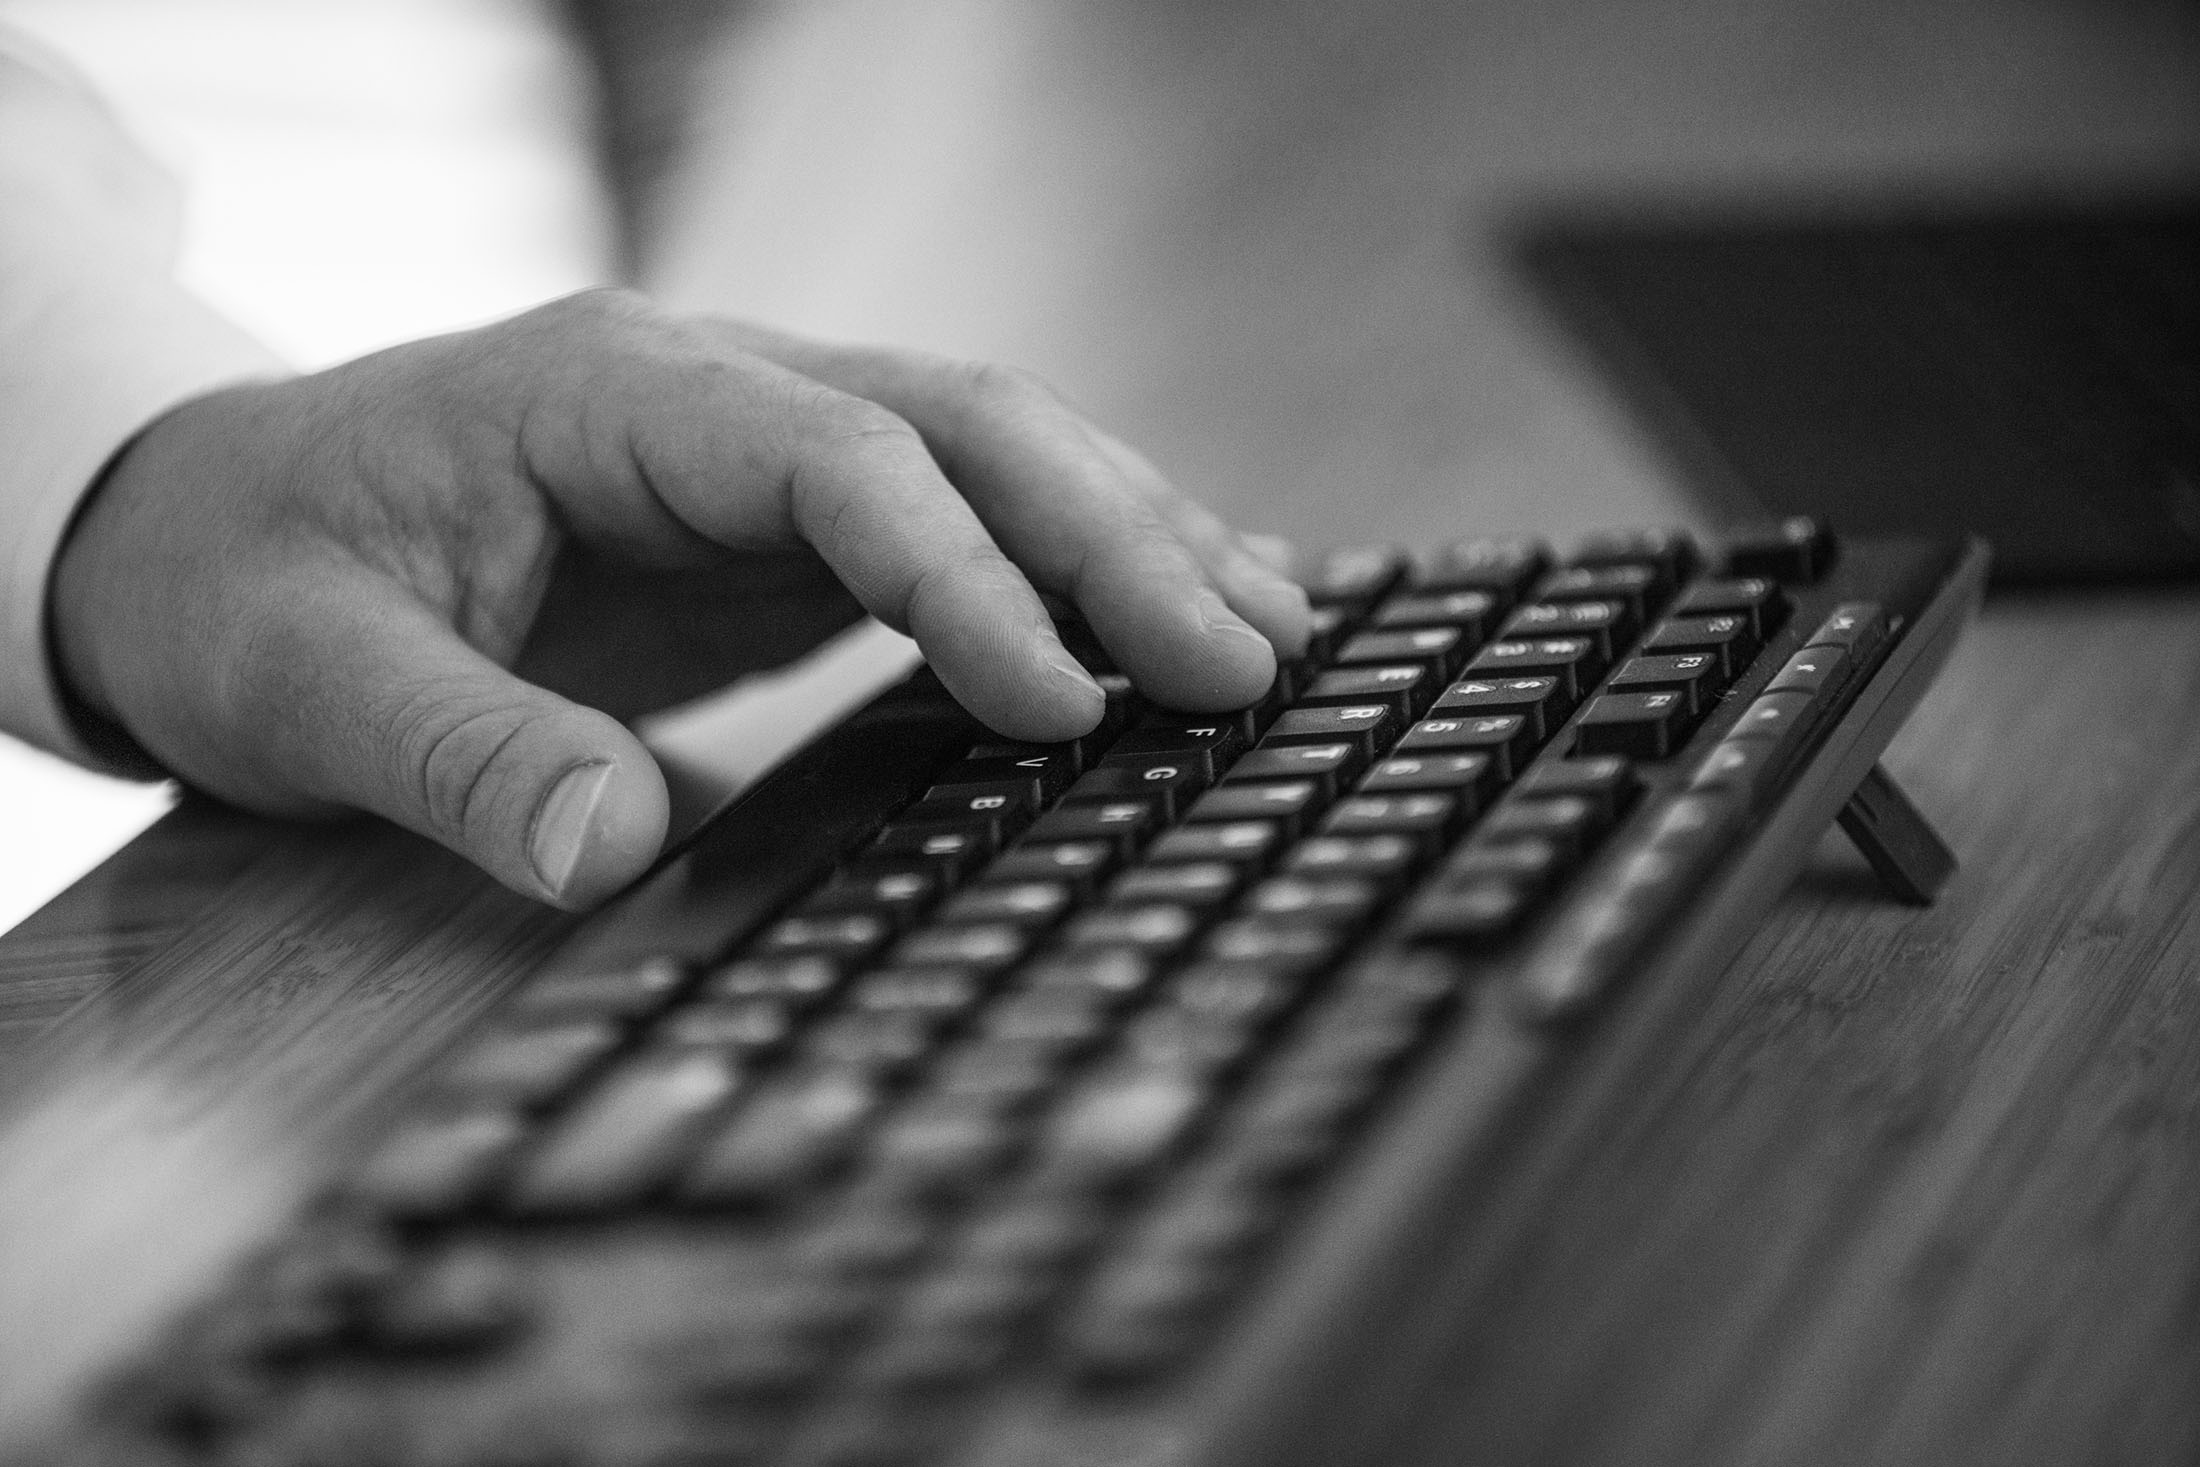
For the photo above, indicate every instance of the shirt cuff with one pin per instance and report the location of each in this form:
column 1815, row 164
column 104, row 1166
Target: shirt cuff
column 86, row 362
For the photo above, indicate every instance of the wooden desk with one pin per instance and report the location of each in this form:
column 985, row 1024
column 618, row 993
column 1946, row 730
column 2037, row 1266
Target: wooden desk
column 1900, row 1186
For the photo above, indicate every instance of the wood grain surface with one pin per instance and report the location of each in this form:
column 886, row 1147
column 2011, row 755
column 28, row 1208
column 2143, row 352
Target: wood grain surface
column 1907, row 1186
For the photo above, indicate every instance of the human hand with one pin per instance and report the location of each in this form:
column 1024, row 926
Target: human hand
column 429, row 583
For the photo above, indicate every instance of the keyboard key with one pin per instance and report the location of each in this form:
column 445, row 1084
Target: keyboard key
column 1725, row 637
column 1156, row 929
column 948, row 852
column 1330, row 766
column 1289, row 803
column 1776, row 716
column 1046, row 770
column 1382, row 860
column 1469, row 911
column 1249, row 843
column 1367, row 727
column 1204, row 885
column 625, row 991
column 1442, row 649
column 1112, row 974
column 1670, row 553
column 1694, row 675
column 1637, row 725
column 1081, row 865
column 792, row 1128
column 1125, row 824
column 1212, row 744
column 1470, row 777
column 1795, row 549
column 742, row 1028
column 928, row 1144
column 1639, row 588
column 1324, row 626
column 527, row 1066
column 984, row 947
column 1406, row 687
column 1756, row 598
column 1471, row 612
column 1356, row 576
column 1502, row 568
column 998, row 810
column 1506, row 740
column 1426, row 818
column 1119, row 1122
column 1538, row 700
column 792, row 980
column 1168, row 781
column 1813, row 671
column 1254, row 971
column 437, row 1164
column 1856, row 627
column 1738, row 766
column 455, row 1299
column 1031, row 905
column 899, row 891
column 1339, row 901
column 1603, row 623
column 1571, row 660
column 846, row 938
column 628, row 1132
column 1567, row 821
column 1606, row 781
column 868, row 1042
column 936, row 993
column 1271, row 945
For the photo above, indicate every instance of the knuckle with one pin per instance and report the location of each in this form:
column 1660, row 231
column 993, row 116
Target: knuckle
column 999, row 386
column 450, row 750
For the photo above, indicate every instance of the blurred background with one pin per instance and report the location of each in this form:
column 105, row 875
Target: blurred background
column 1202, row 220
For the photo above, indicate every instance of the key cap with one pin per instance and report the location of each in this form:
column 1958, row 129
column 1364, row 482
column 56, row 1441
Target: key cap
column 1273, row 945
column 1738, row 766
column 1425, row 818
column 797, row 981
column 846, row 938
column 626, row 991
column 1356, row 576
column 1343, row 902
column 1289, row 803
column 1775, row 716
column 1033, row 906
column 458, row 1299
column 526, row 1066
column 1857, row 627
column 1538, row 700
column 934, row 993
column 1606, row 781
column 1694, row 675
column 1081, row 865
column 1472, row 778
column 1505, row 740
column 438, row 1164
column 1566, row 821
column 792, row 1128
column 1443, row 650
column 1670, row 553
column 1124, row 824
column 1637, row 725
column 999, row 810
column 899, row 891
column 1203, row 885
column 1812, row 671
column 1248, row 843
column 867, row 1043
column 1367, row 727
column 1571, row 660
column 1757, row 599
column 628, row 1132
column 1156, row 929
column 1045, row 771
column 1325, row 625
column 1603, row 623
column 1468, row 912
column 1168, row 781
column 1405, row 687
column 1381, row 859
column 933, row 1143
column 1725, row 637
column 1472, row 612
column 986, row 947
column 1502, row 568
column 742, row 1028
column 1639, row 588
column 1330, row 766
column 1795, row 549
column 949, row 852
column 1112, row 974
column 1254, row 972
column 1212, row 745
column 1119, row 1122
column 1059, row 1020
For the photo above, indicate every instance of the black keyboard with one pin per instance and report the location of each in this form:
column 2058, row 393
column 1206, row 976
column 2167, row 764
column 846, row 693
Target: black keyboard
column 948, row 1099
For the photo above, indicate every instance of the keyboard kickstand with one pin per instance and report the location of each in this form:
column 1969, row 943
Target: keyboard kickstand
column 1910, row 858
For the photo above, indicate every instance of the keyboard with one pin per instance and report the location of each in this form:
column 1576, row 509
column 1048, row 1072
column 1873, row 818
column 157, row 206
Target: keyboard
column 952, row 1100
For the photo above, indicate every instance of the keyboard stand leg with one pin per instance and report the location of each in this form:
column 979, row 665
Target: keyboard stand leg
column 1910, row 858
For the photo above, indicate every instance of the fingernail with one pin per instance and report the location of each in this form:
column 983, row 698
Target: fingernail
column 1070, row 668
column 562, row 823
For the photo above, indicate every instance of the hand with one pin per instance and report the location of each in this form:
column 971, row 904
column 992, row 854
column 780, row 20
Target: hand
column 430, row 582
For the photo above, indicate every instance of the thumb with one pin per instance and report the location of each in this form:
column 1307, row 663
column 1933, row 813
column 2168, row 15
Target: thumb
column 390, row 711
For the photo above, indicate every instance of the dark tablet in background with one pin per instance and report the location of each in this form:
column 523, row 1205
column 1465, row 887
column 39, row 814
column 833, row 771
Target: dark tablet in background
column 2029, row 375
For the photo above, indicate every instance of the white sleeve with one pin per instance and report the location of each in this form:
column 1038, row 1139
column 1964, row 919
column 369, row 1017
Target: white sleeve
column 96, row 341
